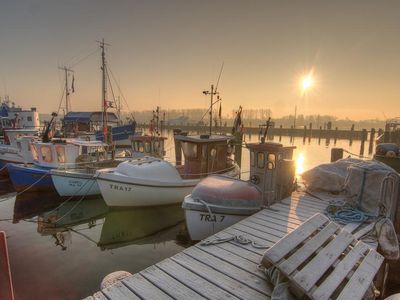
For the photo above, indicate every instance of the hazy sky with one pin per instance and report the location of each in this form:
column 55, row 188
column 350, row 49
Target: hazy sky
column 167, row 52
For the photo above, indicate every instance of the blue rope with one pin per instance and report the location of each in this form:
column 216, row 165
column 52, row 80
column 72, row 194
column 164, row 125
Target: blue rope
column 345, row 214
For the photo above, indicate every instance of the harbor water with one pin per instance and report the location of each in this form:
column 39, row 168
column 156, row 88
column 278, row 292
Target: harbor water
column 62, row 248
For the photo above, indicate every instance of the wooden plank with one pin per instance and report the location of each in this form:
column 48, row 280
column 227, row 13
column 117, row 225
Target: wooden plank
column 221, row 280
column 233, row 232
column 262, row 241
column 119, row 291
column 310, row 274
column 283, row 215
column 267, row 228
column 293, row 211
column 193, row 281
column 242, row 252
column 351, row 227
column 246, row 277
column 143, row 288
column 362, row 277
column 330, row 284
column 99, row 296
column 273, row 220
column 295, row 260
column 301, row 210
column 363, row 231
column 169, row 285
column 286, row 244
column 256, row 233
column 285, row 212
column 235, row 260
column 307, row 201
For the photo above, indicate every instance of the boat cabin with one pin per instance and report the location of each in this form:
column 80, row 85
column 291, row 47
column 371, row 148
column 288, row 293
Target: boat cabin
column 272, row 169
column 11, row 136
column 67, row 153
column 203, row 155
column 146, row 145
column 5, row 123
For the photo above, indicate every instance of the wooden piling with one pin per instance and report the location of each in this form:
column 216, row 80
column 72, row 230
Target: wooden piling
column 364, row 136
column 371, row 140
column 336, row 154
column 304, row 134
column 238, row 140
column 336, row 136
column 319, row 135
column 351, row 135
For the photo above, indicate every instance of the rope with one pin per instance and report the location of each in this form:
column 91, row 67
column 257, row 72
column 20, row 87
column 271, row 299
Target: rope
column 345, row 214
column 358, row 155
column 240, row 239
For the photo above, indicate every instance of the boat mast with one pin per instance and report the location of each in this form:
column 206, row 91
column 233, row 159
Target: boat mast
column 104, row 90
column 67, row 101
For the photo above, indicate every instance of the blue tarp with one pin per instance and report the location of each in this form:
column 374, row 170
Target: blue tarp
column 4, row 112
column 119, row 133
column 87, row 117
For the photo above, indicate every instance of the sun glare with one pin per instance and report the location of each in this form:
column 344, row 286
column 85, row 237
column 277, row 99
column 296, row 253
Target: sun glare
column 307, row 82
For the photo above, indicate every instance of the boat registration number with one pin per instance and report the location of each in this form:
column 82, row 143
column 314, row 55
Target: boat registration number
column 211, row 218
column 120, row 187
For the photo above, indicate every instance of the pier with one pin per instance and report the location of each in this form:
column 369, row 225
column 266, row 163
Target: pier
column 229, row 269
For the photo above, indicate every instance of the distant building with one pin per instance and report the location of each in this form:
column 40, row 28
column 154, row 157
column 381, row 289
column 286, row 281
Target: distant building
column 182, row 120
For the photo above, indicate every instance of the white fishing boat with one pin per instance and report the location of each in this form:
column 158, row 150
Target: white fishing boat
column 81, row 182
column 218, row 202
column 16, row 147
column 151, row 181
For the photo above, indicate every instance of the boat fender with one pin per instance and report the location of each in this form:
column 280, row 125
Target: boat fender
column 390, row 154
column 113, row 278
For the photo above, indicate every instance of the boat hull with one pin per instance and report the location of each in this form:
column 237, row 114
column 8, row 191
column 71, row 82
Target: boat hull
column 30, row 178
column 3, row 169
column 74, row 184
column 117, row 193
column 202, row 224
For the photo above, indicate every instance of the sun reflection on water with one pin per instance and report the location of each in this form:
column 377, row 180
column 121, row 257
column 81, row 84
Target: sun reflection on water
column 300, row 159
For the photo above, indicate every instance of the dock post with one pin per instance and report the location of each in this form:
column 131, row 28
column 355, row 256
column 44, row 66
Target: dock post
column 310, row 134
column 336, row 154
column 304, row 134
column 291, row 134
column 280, row 133
column 371, row 140
column 237, row 142
column 336, row 136
column 364, row 136
column 351, row 135
column 319, row 135
column 178, row 147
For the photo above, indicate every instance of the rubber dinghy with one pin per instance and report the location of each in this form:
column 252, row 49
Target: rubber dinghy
column 152, row 182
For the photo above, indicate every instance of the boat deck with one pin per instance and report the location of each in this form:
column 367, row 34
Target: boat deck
column 226, row 270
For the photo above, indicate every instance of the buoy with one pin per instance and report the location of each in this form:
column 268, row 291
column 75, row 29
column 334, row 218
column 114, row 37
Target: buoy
column 390, row 154
column 113, row 277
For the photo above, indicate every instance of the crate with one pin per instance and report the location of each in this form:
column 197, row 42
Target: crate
column 324, row 261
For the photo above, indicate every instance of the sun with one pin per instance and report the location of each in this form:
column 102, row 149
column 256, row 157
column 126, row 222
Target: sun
column 307, row 82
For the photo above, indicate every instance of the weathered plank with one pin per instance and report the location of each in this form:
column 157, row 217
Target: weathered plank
column 351, row 227
column 99, row 296
column 330, row 284
column 193, row 281
column 242, row 252
column 359, row 282
column 306, row 202
column 143, row 288
column 119, row 291
column 168, row 284
column 288, row 243
column 223, row 281
column 235, row 260
column 262, row 235
column 310, row 274
column 246, row 277
column 300, row 210
column 295, row 260
column 267, row 228
column 274, row 220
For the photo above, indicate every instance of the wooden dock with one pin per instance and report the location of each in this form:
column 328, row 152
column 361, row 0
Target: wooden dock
column 227, row 270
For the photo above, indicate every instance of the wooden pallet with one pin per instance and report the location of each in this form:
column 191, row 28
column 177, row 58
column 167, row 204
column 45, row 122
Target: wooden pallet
column 324, row 261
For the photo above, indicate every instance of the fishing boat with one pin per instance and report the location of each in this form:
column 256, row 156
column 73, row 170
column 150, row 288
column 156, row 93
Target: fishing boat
column 57, row 153
column 151, row 181
column 81, row 182
column 16, row 148
column 218, row 202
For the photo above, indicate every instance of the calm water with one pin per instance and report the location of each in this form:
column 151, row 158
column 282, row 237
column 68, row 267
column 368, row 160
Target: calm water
column 62, row 250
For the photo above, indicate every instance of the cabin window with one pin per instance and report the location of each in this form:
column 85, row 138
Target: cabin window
column 60, row 150
column 46, row 154
column 156, row 146
column 147, row 147
column 260, row 160
column 252, row 162
column 84, row 150
column 35, row 154
column 19, row 146
column 29, row 118
column 213, row 152
column 140, row 147
column 189, row 150
column 271, row 157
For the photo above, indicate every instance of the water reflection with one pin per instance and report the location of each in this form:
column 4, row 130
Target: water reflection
column 92, row 219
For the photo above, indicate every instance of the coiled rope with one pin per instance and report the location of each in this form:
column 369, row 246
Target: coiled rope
column 240, row 239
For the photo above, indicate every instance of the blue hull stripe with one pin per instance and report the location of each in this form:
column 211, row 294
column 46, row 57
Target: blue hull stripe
column 23, row 177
